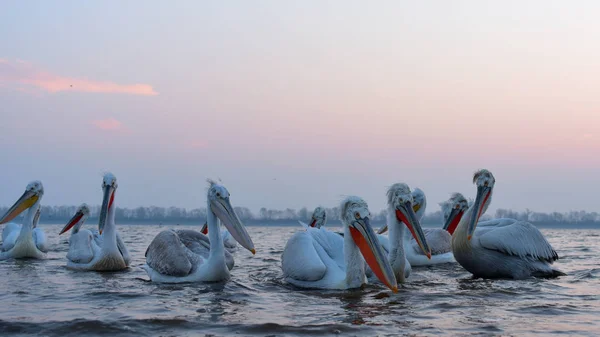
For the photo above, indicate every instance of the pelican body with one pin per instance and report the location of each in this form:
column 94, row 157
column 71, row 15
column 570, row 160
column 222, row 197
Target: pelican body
column 178, row 256
column 24, row 240
column 500, row 249
column 319, row 259
column 101, row 251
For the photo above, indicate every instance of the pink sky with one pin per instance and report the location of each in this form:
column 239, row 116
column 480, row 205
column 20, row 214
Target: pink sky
column 328, row 99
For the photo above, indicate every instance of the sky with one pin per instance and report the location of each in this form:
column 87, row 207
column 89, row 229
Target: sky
column 296, row 104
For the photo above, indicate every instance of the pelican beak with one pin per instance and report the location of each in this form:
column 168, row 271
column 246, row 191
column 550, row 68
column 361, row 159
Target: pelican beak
column 405, row 213
column 74, row 220
column 28, row 199
column 483, row 194
column 383, row 229
column 313, row 223
column 224, row 211
column 365, row 239
column 204, row 229
column 107, row 201
column 453, row 220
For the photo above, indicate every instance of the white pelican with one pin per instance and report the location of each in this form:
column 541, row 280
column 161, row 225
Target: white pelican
column 502, row 250
column 84, row 243
column 317, row 258
column 453, row 210
column 100, row 252
column 21, row 241
column 401, row 214
column 318, row 218
column 176, row 256
column 438, row 239
column 228, row 240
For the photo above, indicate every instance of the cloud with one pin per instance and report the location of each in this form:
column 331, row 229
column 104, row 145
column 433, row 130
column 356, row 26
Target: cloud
column 109, row 124
column 21, row 73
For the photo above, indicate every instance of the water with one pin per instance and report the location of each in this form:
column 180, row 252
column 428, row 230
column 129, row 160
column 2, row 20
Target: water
column 43, row 298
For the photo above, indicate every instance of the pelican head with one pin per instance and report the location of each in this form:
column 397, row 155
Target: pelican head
column 82, row 213
column 319, row 217
column 33, row 193
column 109, row 187
column 355, row 215
column 453, row 209
column 401, row 199
column 419, row 204
column 218, row 202
column 484, row 180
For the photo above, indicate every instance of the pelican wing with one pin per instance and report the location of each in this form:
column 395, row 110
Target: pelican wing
column 199, row 244
column 10, row 233
column 438, row 239
column 520, row 239
column 500, row 222
column 300, row 260
column 39, row 237
column 167, row 255
column 81, row 247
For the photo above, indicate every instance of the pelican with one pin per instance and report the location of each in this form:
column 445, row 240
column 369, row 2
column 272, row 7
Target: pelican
column 438, row 239
column 24, row 241
column 177, row 256
column 318, row 218
column 228, row 240
column 452, row 211
column 401, row 214
column 514, row 250
column 101, row 252
column 84, row 243
column 317, row 258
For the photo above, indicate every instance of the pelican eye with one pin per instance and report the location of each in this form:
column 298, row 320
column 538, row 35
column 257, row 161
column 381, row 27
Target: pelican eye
column 357, row 215
column 218, row 194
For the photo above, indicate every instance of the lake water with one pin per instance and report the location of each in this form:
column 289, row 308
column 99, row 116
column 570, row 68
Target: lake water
column 43, row 298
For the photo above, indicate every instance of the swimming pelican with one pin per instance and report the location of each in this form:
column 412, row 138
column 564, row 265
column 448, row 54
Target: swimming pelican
column 318, row 258
column 84, row 243
column 401, row 214
column 514, row 250
column 102, row 252
column 22, row 241
column 438, row 239
column 228, row 240
column 176, row 256
column 318, row 218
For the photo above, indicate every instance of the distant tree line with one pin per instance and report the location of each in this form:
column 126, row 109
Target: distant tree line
column 155, row 215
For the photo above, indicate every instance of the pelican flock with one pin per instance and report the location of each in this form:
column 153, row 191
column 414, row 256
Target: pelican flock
column 102, row 250
column 313, row 257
